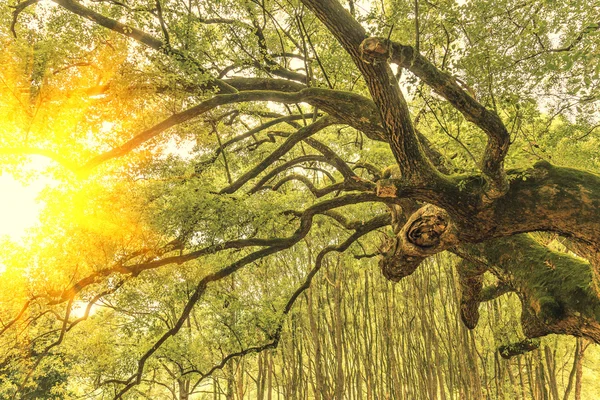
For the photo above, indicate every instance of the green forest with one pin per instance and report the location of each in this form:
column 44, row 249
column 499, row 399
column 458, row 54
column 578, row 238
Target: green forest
column 299, row 199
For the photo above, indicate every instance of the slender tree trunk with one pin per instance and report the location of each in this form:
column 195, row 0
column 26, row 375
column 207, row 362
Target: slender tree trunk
column 316, row 340
column 338, row 328
column 579, row 370
column 230, row 381
column 270, row 377
column 551, row 369
column 184, row 388
column 576, row 360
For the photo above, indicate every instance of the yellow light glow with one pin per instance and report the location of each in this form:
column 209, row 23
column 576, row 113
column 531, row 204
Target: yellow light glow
column 19, row 208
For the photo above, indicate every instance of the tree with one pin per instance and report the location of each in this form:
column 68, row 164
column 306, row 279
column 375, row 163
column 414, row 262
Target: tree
column 452, row 127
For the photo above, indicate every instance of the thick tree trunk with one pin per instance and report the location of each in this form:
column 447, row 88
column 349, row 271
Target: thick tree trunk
column 559, row 293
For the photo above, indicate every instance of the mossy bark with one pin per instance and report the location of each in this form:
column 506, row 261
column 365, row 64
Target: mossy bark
column 557, row 291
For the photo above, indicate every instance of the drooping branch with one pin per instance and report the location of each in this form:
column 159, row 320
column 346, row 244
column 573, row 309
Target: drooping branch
column 351, row 180
column 305, row 226
column 361, row 229
column 55, row 297
column 333, row 158
column 169, row 122
column 252, row 132
column 285, row 166
column 470, row 278
column 558, row 292
column 352, row 109
column 473, row 292
column 319, row 192
column 302, row 178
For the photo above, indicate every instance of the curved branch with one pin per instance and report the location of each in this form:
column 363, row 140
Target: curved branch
column 346, row 106
column 305, row 226
column 175, row 119
column 18, row 10
column 253, row 131
column 282, row 85
column 285, row 166
column 361, row 229
column 290, row 142
column 302, row 178
column 333, row 158
column 317, row 192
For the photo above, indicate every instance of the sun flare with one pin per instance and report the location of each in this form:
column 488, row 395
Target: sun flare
column 19, row 205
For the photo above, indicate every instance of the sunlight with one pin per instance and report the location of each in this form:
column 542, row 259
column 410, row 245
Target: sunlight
column 19, row 204
column 19, row 208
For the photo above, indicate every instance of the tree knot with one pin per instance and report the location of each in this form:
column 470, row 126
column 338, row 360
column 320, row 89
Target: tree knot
column 427, row 230
column 373, row 49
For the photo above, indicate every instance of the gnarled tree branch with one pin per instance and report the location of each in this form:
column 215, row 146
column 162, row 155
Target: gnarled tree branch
column 447, row 86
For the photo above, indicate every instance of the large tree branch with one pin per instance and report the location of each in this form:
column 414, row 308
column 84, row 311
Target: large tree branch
column 245, row 84
column 386, row 94
column 188, row 114
column 352, row 109
column 444, row 84
column 333, row 102
column 55, row 297
column 541, row 198
column 558, row 292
